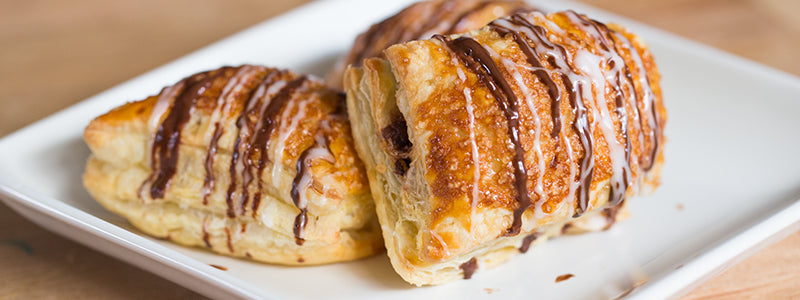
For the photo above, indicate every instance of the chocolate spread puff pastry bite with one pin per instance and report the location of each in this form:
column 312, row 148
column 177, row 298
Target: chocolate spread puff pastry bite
column 246, row 161
column 421, row 21
column 480, row 144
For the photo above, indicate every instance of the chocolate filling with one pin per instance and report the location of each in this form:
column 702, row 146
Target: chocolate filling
column 398, row 144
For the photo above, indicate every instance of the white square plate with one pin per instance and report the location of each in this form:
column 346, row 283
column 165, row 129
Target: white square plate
column 730, row 182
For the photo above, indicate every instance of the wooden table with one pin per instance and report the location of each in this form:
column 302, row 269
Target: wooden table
column 56, row 53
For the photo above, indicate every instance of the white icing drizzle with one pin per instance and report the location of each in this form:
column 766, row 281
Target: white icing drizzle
column 162, row 104
column 591, row 80
column 538, row 188
column 476, row 159
column 590, row 64
column 325, row 126
column 594, row 66
column 441, row 242
column 635, row 106
column 317, row 152
column 562, row 67
column 263, row 95
column 584, row 86
column 648, row 97
column 561, row 64
column 232, row 87
column 286, row 131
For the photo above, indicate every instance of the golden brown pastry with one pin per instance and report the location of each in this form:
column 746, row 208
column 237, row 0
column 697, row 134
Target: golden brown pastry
column 247, row 161
column 422, row 20
column 477, row 145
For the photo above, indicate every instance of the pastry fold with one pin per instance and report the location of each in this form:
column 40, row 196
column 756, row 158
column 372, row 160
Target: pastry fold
column 422, row 20
column 246, row 161
column 477, row 145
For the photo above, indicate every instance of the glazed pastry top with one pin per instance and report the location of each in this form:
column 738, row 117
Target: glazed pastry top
column 283, row 136
column 520, row 122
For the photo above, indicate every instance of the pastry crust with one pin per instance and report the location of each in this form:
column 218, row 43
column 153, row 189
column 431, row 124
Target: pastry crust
column 477, row 144
column 422, row 20
column 247, row 161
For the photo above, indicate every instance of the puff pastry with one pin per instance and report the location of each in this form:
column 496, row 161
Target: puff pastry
column 422, row 20
column 478, row 145
column 246, row 161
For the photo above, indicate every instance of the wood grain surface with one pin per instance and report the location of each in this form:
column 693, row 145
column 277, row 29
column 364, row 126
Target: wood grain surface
column 56, row 53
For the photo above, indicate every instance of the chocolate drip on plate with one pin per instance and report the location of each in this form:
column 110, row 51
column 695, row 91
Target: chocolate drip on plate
column 477, row 59
column 563, row 277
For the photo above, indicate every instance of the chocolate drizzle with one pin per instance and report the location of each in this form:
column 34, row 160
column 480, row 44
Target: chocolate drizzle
column 266, row 93
column 534, row 60
column 469, row 267
column 268, row 123
column 229, row 242
column 209, row 181
column 581, row 126
column 611, row 216
column 166, row 142
column 244, row 127
column 608, row 43
column 256, row 139
column 656, row 133
column 234, row 160
column 437, row 14
column 464, row 15
column 548, row 60
column 526, row 242
column 301, row 219
column 654, row 130
column 303, row 168
column 637, row 112
column 205, row 238
column 476, row 58
column 581, row 123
